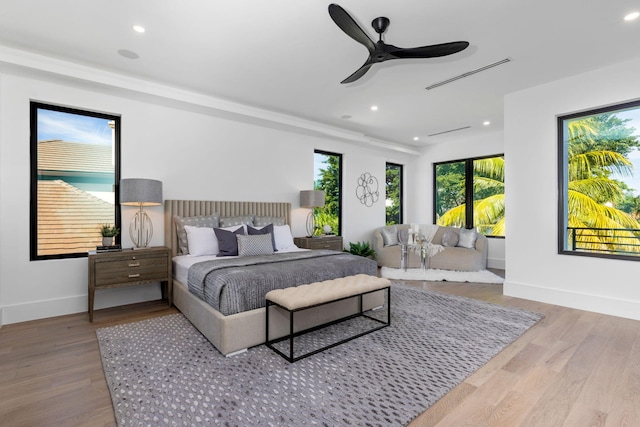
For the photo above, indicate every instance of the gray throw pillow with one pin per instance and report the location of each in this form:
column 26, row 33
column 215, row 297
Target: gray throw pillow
column 467, row 238
column 211, row 221
column 260, row 221
column 450, row 238
column 403, row 237
column 390, row 235
column 227, row 242
column 259, row 244
column 267, row 229
column 230, row 221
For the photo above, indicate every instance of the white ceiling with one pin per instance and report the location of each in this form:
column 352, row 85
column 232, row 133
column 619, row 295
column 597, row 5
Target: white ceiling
column 288, row 56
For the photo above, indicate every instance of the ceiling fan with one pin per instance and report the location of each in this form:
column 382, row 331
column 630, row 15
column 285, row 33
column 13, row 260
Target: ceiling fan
column 380, row 51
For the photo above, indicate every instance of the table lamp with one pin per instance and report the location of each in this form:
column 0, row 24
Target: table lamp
column 311, row 199
column 140, row 192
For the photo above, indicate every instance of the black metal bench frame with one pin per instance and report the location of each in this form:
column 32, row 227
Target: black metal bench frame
column 290, row 357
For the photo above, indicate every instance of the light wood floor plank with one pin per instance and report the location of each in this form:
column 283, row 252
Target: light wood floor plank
column 573, row 368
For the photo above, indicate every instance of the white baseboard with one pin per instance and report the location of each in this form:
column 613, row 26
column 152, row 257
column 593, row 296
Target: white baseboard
column 582, row 301
column 43, row 309
column 496, row 263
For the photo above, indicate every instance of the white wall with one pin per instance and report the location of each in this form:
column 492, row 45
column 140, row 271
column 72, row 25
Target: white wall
column 490, row 143
column 192, row 150
column 535, row 269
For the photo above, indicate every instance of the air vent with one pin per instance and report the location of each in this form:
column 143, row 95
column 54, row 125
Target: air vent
column 450, row 130
column 467, row 74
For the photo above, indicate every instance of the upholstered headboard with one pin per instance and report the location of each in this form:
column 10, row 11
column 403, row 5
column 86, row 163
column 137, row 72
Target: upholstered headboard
column 207, row 207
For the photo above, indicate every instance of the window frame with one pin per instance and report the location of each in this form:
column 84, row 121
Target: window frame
column 340, row 189
column 34, row 106
column 562, row 177
column 400, row 190
column 469, row 193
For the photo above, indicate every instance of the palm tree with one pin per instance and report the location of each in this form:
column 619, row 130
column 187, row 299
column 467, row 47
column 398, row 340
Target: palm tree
column 591, row 191
column 488, row 205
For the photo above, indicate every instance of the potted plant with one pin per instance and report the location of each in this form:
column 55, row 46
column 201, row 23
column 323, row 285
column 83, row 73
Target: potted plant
column 362, row 249
column 108, row 233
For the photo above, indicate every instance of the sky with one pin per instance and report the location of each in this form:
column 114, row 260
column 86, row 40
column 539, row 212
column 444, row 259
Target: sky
column 73, row 127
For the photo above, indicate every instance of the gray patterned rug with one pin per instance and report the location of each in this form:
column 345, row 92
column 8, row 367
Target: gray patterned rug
column 162, row 372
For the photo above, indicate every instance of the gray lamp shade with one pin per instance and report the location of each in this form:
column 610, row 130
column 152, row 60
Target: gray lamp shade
column 312, row 199
column 140, row 192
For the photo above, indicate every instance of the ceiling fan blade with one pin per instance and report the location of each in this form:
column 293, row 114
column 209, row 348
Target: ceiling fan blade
column 359, row 73
column 349, row 26
column 431, row 51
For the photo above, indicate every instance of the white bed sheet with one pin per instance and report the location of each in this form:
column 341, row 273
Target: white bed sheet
column 182, row 263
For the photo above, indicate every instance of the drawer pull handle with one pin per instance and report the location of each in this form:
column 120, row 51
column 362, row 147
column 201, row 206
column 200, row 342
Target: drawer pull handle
column 131, row 276
column 137, row 264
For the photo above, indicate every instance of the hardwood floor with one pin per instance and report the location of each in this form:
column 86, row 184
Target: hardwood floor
column 574, row 368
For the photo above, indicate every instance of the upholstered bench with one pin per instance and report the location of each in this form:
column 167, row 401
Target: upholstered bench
column 303, row 297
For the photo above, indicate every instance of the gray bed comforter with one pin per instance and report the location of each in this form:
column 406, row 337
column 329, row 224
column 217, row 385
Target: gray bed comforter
column 235, row 285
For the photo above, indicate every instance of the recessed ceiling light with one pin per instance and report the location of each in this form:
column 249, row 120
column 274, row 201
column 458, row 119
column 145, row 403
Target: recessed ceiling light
column 138, row 28
column 486, row 123
column 128, row 54
column 415, row 138
column 374, row 108
column 631, row 16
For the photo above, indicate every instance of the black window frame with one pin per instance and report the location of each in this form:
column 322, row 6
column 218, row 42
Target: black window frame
column 562, row 219
column 341, row 189
column 34, row 106
column 400, row 190
column 468, row 199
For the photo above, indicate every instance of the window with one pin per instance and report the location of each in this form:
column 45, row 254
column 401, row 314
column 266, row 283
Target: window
column 599, row 202
column 470, row 193
column 328, row 177
column 393, row 202
column 75, row 162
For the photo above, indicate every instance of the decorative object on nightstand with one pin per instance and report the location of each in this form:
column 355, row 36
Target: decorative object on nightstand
column 130, row 268
column 311, row 199
column 331, row 242
column 108, row 233
column 140, row 192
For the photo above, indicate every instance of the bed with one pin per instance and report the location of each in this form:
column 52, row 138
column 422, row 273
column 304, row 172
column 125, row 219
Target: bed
column 233, row 331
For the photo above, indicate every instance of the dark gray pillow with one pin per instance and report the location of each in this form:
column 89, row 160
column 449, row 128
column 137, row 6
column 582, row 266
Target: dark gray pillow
column 450, row 238
column 267, row 229
column 467, row 238
column 227, row 241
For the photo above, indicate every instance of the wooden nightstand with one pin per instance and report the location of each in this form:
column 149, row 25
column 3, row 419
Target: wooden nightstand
column 321, row 242
column 130, row 267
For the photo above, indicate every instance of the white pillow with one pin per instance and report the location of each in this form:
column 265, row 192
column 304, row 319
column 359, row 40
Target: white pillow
column 201, row 240
column 283, row 237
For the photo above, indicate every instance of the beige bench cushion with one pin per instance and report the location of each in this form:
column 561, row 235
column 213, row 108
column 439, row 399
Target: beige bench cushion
column 322, row 292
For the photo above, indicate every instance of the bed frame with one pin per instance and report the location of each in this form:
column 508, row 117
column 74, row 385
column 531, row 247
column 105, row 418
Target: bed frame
column 235, row 333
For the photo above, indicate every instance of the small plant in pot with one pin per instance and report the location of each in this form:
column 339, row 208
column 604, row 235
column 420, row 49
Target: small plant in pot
column 108, row 232
column 362, row 249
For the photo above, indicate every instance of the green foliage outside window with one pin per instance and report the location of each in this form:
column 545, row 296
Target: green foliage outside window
column 393, row 202
column 486, row 195
column 328, row 180
column 601, row 211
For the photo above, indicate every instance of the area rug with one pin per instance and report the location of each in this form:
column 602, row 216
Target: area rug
column 435, row 275
column 163, row 372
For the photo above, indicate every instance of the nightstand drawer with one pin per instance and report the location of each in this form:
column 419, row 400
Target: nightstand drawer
column 134, row 269
column 333, row 243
